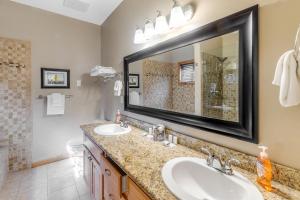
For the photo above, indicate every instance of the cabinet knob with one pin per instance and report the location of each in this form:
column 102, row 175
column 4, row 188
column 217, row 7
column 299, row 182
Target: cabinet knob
column 90, row 157
column 111, row 196
column 107, row 172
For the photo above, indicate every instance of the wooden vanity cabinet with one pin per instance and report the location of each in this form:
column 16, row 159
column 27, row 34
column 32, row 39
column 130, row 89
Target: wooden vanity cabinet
column 105, row 178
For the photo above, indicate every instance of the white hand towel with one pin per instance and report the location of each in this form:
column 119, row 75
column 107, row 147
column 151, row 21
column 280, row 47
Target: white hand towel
column 118, row 88
column 289, row 94
column 55, row 104
column 279, row 69
column 134, row 98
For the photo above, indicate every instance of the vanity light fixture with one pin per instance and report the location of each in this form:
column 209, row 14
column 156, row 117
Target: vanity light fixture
column 161, row 24
column 177, row 17
column 139, row 36
column 149, row 30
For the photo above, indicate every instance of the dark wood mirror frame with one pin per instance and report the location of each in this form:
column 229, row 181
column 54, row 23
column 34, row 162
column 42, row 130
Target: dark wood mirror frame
column 246, row 22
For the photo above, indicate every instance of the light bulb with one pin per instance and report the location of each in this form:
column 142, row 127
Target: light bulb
column 188, row 12
column 149, row 30
column 139, row 36
column 177, row 17
column 161, row 24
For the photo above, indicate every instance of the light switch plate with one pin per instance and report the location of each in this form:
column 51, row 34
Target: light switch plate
column 78, row 83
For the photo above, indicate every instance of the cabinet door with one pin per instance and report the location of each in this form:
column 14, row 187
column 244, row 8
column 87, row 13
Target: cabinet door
column 87, row 162
column 97, row 188
column 112, row 182
column 134, row 192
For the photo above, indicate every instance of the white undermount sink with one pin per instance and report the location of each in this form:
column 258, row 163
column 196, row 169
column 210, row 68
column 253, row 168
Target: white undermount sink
column 191, row 179
column 111, row 130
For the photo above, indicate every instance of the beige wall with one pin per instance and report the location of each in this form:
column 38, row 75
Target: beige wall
column 58, row 42
column 279, row 127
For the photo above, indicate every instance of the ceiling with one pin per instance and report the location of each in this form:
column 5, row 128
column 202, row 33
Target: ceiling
column 93, row 11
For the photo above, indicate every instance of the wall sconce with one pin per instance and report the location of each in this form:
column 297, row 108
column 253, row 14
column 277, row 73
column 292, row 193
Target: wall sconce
column 139, row 37
column 161, row 24
column 149, row 30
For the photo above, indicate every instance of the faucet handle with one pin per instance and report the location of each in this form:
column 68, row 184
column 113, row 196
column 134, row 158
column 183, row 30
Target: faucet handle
column 210, row 158
column 206, row 151
column 124, row 123
column 228, row 164
column 230, row 161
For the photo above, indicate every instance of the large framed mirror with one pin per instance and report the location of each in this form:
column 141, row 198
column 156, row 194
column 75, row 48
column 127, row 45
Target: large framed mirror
column 207, row 78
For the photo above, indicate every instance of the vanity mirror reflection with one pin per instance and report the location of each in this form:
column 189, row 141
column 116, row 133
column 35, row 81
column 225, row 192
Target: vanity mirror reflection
column 198, row 79
column 206, row 78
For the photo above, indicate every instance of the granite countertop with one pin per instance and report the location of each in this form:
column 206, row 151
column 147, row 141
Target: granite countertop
column 142, row 159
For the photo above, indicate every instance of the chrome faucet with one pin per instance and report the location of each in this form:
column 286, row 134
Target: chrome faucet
column 124, row 124
column 217, row 163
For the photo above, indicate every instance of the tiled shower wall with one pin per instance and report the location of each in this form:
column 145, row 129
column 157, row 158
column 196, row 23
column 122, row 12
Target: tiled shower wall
column 158, row 75
column 15, row 101
column 163, row 90
column 225, row 76
column 183, row 93
column 231, row 90
column 212, row 75
column 171, row 95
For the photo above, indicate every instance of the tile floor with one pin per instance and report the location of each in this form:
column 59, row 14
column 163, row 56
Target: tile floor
column 61, row 180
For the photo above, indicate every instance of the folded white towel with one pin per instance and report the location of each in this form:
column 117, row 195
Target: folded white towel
column 103, row 71
column 287, row 78
column 55, row 104
column 118, row 88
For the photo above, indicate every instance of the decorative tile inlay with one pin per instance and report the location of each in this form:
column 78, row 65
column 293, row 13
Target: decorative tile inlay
column 15, row 101
column 282, row 174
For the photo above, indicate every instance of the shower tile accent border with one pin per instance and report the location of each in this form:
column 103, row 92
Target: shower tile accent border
column 282, row 174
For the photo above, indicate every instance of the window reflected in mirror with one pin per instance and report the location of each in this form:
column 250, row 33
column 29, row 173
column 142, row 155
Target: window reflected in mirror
column 199, row 79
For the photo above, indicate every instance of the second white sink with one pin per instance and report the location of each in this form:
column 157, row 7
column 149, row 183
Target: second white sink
column 191, row 179
column 111, row 130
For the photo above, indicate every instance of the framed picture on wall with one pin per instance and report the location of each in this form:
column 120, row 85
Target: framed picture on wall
column 134, row 81
column 55, row 78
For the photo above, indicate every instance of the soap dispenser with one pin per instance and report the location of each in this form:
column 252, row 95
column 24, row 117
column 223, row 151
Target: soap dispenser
column 118, row 117
column 264, row 169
